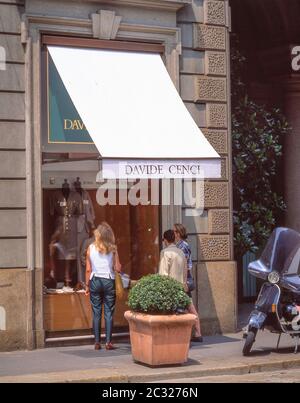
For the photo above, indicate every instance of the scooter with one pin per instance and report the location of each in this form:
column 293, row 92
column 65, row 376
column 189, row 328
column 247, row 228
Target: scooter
column 277, row 307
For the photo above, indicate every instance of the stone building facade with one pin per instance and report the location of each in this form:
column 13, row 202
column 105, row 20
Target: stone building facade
column 195, row 34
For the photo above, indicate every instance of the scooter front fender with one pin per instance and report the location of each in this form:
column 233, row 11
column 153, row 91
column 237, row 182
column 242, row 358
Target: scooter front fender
column 257, row 320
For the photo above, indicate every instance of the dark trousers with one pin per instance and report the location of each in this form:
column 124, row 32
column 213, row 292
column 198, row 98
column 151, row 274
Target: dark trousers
column 102, row 291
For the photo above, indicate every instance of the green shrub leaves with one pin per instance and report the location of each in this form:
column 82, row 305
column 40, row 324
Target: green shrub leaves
column 155, row 294
column 257, row 147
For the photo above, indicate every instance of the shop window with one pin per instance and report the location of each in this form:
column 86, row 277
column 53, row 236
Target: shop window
column 66, row 228
column 70, row 213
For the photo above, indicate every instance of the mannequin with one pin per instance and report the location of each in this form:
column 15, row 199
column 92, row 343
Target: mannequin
column 65, row 189
column 85, row 225
column 77, row 186
column 65, row 206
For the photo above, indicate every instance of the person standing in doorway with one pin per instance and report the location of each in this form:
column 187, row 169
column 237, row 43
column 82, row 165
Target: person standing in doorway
column 101, row 263
column 173, row 263
column 172, row 260
column 182, row 244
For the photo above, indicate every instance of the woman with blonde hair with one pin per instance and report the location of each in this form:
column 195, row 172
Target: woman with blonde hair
column 101, row 263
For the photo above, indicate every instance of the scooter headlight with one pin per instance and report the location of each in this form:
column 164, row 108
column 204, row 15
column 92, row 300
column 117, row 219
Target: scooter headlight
column 274, row 277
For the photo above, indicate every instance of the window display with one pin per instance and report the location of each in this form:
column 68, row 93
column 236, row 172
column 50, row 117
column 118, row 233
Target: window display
column 85, row 226
column 70, row 214
column 66, row 207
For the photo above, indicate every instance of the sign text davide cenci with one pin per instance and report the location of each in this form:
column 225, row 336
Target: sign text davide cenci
column 137, row 170
column 155, row 169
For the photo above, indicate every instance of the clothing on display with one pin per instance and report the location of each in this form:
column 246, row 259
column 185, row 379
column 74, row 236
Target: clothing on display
column 85, row 223
column 66, row 206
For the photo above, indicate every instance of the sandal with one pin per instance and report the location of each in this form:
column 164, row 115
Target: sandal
column 110, row 346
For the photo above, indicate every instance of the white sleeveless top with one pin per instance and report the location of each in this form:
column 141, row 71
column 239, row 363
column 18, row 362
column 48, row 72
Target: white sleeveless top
column 102, row 265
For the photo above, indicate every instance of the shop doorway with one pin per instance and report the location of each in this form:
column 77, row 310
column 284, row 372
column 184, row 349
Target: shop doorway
column 137, row 230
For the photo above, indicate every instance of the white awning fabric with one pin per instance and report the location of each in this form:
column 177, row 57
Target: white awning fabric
column 134, row 114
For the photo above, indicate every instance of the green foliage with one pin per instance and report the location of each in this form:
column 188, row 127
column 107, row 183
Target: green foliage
column 155, row 294
column 257, row 138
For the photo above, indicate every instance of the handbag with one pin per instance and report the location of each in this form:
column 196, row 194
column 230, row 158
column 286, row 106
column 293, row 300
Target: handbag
column 190, row 283
column 122, row 280
column 118, row 280
column 125, row 280
column 120, row 292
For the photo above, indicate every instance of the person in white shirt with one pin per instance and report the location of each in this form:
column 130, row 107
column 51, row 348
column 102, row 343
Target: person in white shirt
column 173, row 263
column 101, row 263
column 172, row 260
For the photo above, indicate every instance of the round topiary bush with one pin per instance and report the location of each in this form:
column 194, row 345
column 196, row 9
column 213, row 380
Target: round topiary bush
column 156, row 294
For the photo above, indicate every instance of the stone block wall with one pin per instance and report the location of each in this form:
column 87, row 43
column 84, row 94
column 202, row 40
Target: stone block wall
column 12, row 139
column 13, row 221
column 204, row 85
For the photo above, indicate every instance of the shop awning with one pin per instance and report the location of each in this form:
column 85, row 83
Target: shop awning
column 134, row 114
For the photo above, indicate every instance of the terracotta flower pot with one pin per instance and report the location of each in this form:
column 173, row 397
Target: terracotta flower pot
column 160, row 339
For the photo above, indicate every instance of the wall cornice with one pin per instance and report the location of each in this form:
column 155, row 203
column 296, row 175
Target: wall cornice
column 169, row 5
column 78, row 26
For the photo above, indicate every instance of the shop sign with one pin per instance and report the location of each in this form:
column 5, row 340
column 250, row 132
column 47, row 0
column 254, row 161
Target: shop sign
column 155, row 169
column 64, row 122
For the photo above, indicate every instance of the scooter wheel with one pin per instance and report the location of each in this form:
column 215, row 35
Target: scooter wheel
column 249, row 343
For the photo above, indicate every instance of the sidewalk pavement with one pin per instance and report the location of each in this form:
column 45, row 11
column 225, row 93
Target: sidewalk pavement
column 218, row 355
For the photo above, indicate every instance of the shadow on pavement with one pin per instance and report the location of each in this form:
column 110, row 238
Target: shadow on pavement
column 189, row 363
column 212, row 340
column 264, row 351
column 91, row 353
